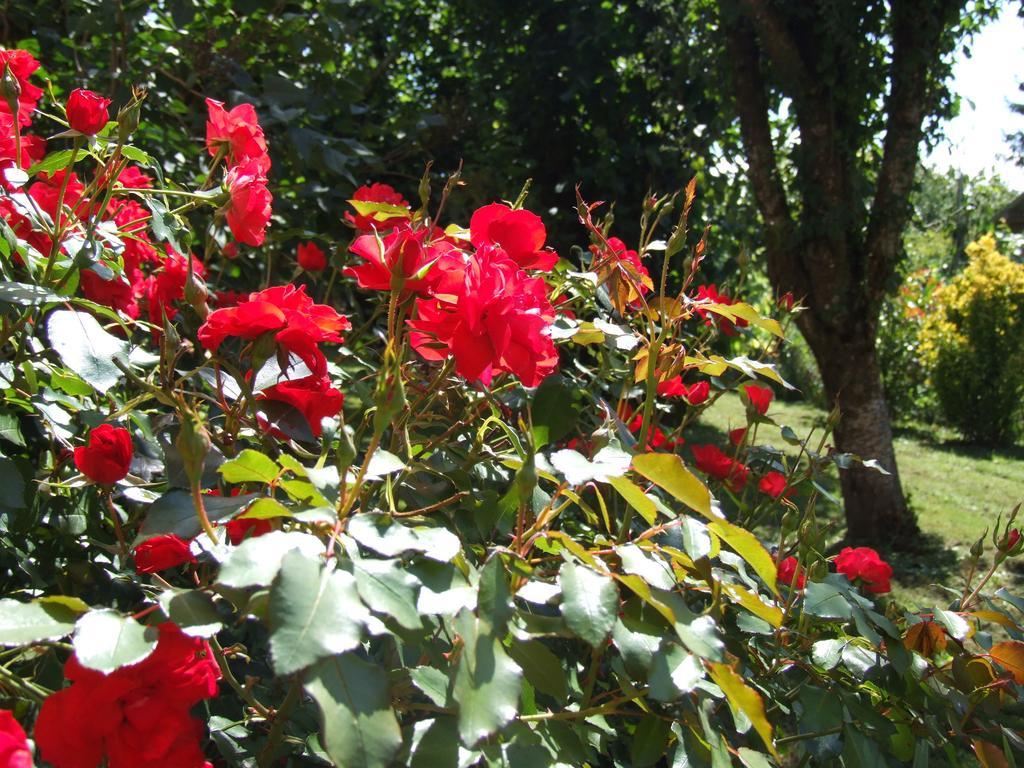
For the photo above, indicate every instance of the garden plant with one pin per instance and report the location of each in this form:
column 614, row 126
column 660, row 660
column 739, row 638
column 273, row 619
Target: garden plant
column 425, row 496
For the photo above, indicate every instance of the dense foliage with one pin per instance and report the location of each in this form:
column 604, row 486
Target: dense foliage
column 457, row 525
column 973, row 343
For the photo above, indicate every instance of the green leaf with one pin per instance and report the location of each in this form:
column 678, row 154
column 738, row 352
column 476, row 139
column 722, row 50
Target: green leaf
column 25, row 295
column 650, row 568
column 636, row 498
column 434, row 743
column 54, row 161
column 746, row 545
column 87, row 349
column 10, row 429
column 542, row 668
column 650, row 741
column 175, row 513
column 136, row 155
column 12, row 485
column 314, row 612
column 828, row 653
column 256, row 561
column 826, row 601
column 25, row 623
column 954, row 622
column 590, row 602
column 494, row 598
column 487, row 681
column 250, row 467
column 265, row 508
column 389, row 590
column 553, row 411
column 667, row 471
column 360, row 729
column 105, row 640
column 193, row 611
column 386, row 536
column 743, row 698
column 752, row 759
column 432, row 682
column 674, row 673
column 608, row 463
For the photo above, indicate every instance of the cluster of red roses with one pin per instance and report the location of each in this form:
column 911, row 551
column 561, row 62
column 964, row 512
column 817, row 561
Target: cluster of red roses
column 714, row 462
column 57, row 205
column 135, row 717
column 476, row 300
column 105, row 459
column 861, row 564
column 297, row 326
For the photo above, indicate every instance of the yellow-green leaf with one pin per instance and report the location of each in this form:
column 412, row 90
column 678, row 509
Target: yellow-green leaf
column 745, row 312
column 265, row 508
column 635, row 497
column 746, row 545
column 379, row 211
column 770, row 613
column 743, row 698
column 667, row 471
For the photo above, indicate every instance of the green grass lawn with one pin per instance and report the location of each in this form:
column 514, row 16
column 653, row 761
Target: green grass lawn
column 956, row 490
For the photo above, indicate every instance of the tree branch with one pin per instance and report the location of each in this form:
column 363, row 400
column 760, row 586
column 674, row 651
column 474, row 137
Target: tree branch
column 751, row 101
column 918, row 27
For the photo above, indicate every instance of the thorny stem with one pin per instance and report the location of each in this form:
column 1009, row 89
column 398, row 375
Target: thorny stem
column 116, row 520
column 204, row 520
column 280, row 719
column 241, row 690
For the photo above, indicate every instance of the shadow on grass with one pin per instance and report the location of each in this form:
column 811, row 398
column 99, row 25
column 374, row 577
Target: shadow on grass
column 932, row 561
column 932, row 438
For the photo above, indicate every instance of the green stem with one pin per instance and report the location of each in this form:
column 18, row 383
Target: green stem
column 280, row 718
column 241, row 690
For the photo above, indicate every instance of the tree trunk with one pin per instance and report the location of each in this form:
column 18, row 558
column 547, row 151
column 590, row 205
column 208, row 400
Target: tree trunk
column 876, row 512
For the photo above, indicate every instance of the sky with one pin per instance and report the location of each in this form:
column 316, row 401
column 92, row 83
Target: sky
column 986, row 82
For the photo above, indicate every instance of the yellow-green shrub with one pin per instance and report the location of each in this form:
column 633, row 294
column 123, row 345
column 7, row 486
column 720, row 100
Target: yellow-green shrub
column 974, row 345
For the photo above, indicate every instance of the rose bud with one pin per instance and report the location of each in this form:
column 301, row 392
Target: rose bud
column 107, row 455
column 87, row 112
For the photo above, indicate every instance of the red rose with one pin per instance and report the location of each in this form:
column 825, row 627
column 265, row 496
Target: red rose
column 135, row 717
column 520, row 234
column 791, row 574
column 107, row 455
column 864, row 563
column 693, row 394
column 14, row 751
column 33, row 149
column 21, row 64
column 407, row 254
column 240, row 529
column 736, row 435
column 249, row 206
column 710, row 293
column 87, row 111
column 759, row 397
column 311, row 258
column 712, row 461
column 162, row 552
column 377, row 193
column 772, row 484
column 497, row 323
column 114, row 293
column 299, row 324
column 313, row 396
column 656, row 438
column 786, row 301
column 238, row 132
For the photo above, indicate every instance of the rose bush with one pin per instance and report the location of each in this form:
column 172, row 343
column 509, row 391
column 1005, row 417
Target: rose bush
column 431, row 506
